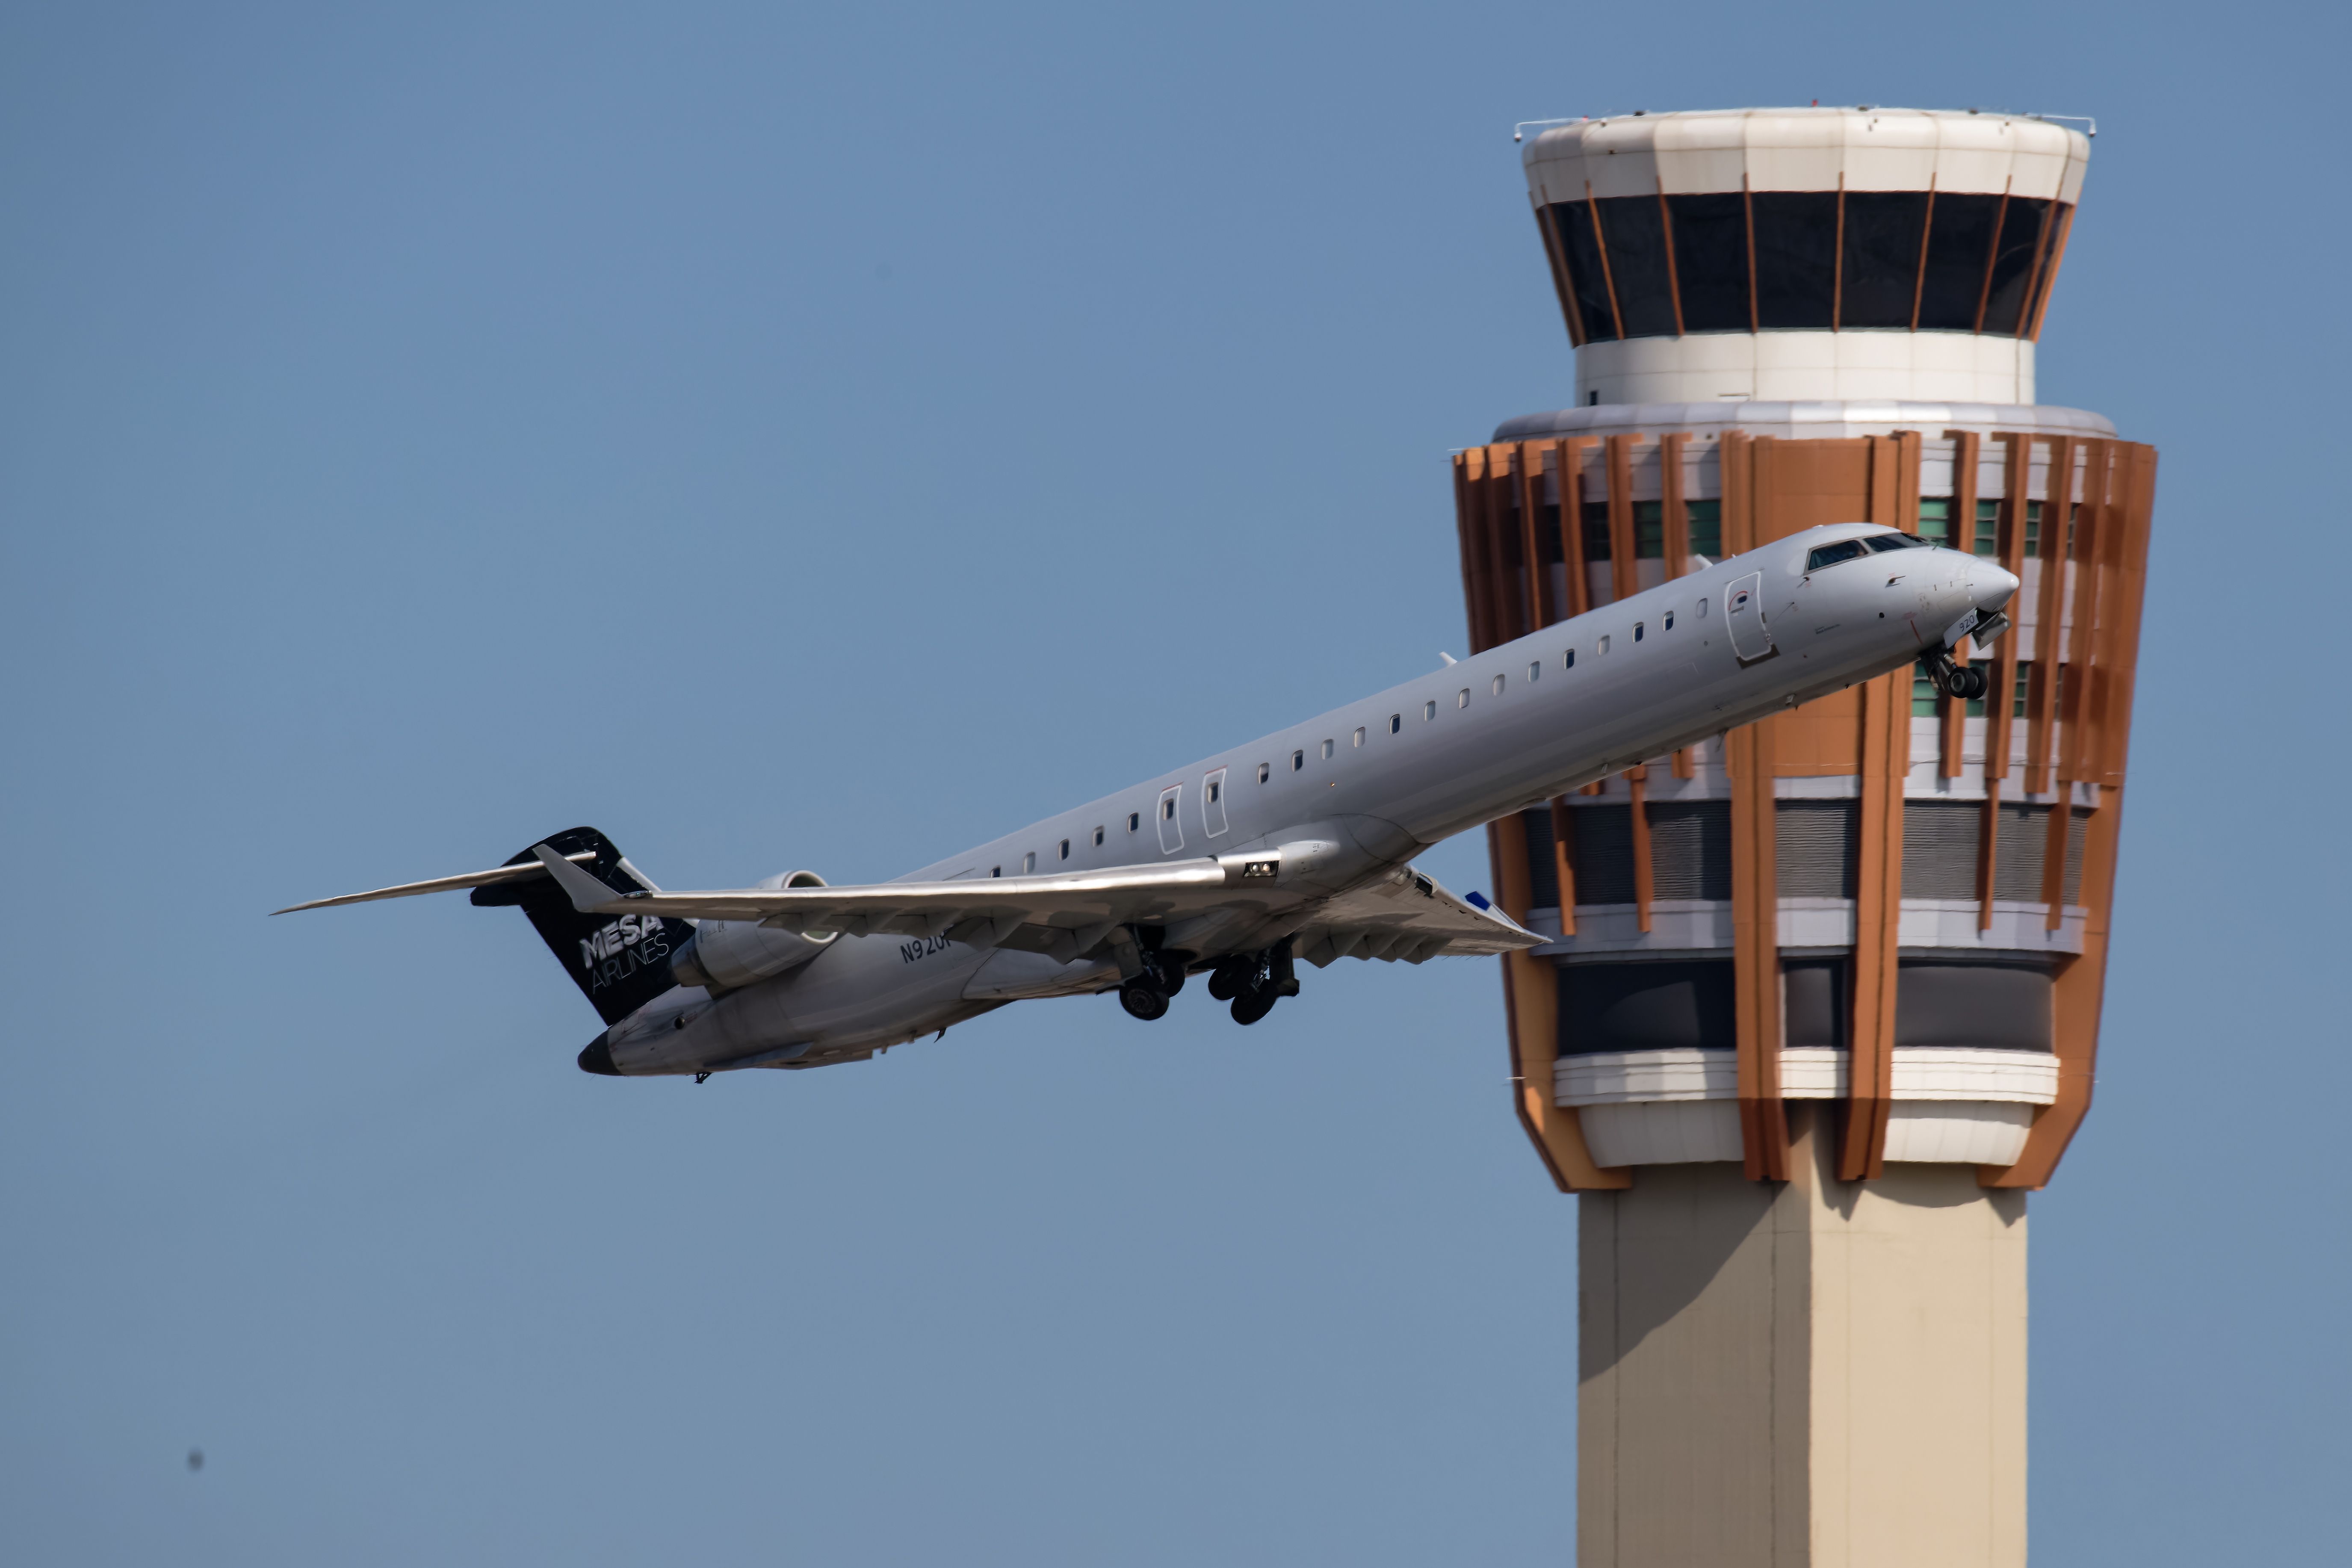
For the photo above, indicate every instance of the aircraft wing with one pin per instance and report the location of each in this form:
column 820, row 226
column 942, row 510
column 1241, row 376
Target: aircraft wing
column 1407, row 915
column 1066, row 916
column 1404, row 915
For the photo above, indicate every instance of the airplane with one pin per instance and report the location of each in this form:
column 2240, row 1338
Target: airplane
column 1297, row 845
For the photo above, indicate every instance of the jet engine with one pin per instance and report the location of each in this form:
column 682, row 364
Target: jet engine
column 722, row 955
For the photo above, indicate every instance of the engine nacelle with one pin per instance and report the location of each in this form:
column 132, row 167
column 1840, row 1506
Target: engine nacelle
column 725, row 955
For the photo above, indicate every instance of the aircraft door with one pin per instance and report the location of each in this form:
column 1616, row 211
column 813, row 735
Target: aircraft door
column 1743, row 606
column 1171, row 832
column 1212, row 803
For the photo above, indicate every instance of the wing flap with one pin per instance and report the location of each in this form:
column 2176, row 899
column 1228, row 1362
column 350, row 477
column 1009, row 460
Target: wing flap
column 1407, row 917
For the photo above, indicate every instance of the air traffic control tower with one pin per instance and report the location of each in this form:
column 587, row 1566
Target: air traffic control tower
column 1822, row 1001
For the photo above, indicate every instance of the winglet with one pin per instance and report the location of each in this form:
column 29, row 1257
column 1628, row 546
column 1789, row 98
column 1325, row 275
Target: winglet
column 589, row 896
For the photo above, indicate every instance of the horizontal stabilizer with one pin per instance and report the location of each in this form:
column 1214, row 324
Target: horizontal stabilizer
column 530, row 869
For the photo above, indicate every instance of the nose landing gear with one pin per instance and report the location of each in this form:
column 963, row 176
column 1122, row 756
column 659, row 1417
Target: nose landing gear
column 1967, row 682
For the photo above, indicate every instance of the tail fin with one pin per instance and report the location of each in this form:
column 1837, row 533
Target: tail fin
column 619, row 962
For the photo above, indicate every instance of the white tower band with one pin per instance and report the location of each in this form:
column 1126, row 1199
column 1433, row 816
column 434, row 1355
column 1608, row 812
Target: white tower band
column 1822, row 1002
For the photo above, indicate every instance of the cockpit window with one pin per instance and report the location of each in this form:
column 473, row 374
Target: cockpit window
column 1830, row 554
column 1894, row 542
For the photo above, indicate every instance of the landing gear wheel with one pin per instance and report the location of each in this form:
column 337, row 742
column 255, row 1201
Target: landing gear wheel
column 1969, row 684
column 1252, row 1005
column 1143, row 1000
column 1231, row 977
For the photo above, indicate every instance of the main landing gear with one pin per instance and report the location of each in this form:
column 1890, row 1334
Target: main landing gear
column 1967, row 682
column 1254, row 981
column 1146, row 996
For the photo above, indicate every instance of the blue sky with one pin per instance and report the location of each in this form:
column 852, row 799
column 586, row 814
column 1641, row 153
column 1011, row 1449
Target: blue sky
column 829, row 438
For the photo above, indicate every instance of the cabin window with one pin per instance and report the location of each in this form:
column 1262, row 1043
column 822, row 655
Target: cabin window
column 1167, row 806
column 1497, row 687
column 1638, row 629
column 1263, row 772
column 1029, row 863
column 1535, row 667
column 1462, row 698
column 1134, row 820
column 1601, row 648
column 1702, row 609
column 1099, row 838
column 996, row 870
column 1396, row 723
column 1360, row 735
column 1670, row 621
column 1065, row 848
column 1216, row 790
column 1567, row 659
column 1429, row 710
column 1830, row 554
column 1328, row 747
column 1297, row 761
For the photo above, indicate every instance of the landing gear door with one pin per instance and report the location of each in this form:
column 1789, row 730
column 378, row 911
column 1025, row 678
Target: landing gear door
column 1171, row 832
column 1743, row 606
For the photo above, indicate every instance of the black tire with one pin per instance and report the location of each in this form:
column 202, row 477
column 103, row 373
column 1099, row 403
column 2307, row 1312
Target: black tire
column 1143, row 1000
column 1252, row 1005
column 1968, row 684
column 1230, row 978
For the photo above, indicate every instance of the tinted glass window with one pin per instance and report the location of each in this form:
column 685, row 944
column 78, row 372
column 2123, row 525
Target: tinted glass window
column 1707, row 528
column 1880, row 264
column 1796, row 256
column 1959, row 240
column 1936, row 518
column 1635, row 229
column 1988, row 540
column 1649, row 531
column 1596, row 531
column 1572, row 225
column 1892, row 542
column 1830, row 554
column 2012, row 266
column 1711, row 258
column 2059, row 221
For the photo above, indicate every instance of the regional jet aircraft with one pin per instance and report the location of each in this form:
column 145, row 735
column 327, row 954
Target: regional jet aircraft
column 1295, row 846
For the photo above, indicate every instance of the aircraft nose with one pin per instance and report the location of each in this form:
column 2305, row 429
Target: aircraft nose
column 1990, row 587
column 598, row 1057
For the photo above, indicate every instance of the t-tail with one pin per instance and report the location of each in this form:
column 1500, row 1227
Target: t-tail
column 619, row 962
